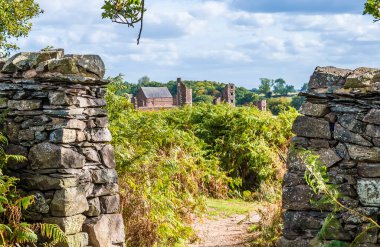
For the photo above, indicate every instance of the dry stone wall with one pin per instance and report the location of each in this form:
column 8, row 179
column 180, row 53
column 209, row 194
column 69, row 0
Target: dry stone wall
column 341, row 123
column 54, row 115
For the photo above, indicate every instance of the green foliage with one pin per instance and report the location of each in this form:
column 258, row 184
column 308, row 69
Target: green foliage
column 15, row 22
column 170, row 160
column 278, row 105
column 372, row 7
column 265, row 86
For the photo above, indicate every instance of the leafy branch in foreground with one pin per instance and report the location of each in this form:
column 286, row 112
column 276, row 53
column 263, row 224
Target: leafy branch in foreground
column 317, row 177
column 372, row 7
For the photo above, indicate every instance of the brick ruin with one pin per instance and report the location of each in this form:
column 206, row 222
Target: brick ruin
column 56, row 118
column 341, row 123
column 184, row 95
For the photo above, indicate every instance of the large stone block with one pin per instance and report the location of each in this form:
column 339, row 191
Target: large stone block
column 60, row 98
column 104, row 176
column 368, row 190
column 105, row 230
column 24, row 105
column 101, row 135
column 302, row 224
column 361, row 153
column 373, row 116
column 297, row 198
column 70, row 225
column 108, row 156
column 45, row 182
column 29, row 60
column 328, row 156
column 47, row 155
column 68, row 202
column 75, row 240
column 316, row 110
column 369, row 170
column 92, row 65
column 109, row 204
column 373, row 131
column 328, row 76
column 312, row 127
column 63, row 136
column 362, row 77
column 344, row 135
column 94, row 207
column 350, row 122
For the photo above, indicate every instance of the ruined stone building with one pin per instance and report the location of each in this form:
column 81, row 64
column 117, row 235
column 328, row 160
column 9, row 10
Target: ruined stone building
column 184, row 95
column 229, row 94
column 261, row 105
column 160, row 97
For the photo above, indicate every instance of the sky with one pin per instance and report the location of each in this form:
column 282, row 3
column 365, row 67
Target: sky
column 230, row 41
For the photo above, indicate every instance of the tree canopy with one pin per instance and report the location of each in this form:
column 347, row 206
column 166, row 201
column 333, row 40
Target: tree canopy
column 15, row 22
column 372, row 7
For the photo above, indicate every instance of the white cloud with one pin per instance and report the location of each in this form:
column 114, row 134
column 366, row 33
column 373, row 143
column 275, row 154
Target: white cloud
column 199, row 39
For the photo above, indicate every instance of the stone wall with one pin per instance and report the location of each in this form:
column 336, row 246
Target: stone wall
column 341, row 123
column 54, row 115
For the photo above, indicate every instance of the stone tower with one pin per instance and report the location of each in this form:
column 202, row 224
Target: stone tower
column 184, row 95
column 56, row 118
column 228, row 94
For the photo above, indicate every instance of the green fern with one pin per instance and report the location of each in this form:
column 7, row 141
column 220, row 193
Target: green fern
column 52, row 231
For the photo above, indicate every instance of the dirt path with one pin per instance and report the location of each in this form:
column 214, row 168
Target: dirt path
column 225, row 231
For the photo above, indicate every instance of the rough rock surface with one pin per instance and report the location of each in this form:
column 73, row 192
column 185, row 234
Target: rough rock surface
column 56, row 118
column 341, row 124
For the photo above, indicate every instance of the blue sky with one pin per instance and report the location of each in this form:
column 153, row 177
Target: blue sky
column 236, row 41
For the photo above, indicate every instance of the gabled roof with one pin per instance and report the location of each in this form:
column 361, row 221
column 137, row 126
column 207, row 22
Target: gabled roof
column 156, row 92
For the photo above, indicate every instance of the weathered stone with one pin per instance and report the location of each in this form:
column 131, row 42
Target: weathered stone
column 92, row 65
column 368, row 190
column 312, row 127
column 109, row 204
column 81, row 136
column 60, row 98
column 328, row 157
column 24, row 105
column 40, row 136
column 75, row 240
column 373, row 131
column 95, row 112
column 362, row 77
column 283, row 242
column 70, row 225
column 46, row 155
column 101, row 122
column 26, row 135
column 101, row 135
column 88, row 102
column 63, row 136
column 108, row 156
column 105, row 189
column 68, row 202
column 91, row 154
column 44, row 182
column 28, row 60
column 373, row 116
column 76, row 124
column 105, row 230
column 344, row 135
column 35, row 121
column 369, row 170
column 104, row 176
column 305, row 224
column 63, row 66
column 350, row 122
column 94, row 207
column 361, row 153
column 297, row 198
column 319, row 143
column 327, row 77
column 315, row 110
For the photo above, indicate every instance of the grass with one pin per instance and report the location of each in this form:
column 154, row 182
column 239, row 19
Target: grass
column 228, row 208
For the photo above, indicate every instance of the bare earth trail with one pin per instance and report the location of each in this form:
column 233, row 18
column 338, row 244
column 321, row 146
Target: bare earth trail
column 224, row 231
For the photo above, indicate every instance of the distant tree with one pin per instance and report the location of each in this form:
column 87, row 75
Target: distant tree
column 289, row 89
column 277, row 105
column 144, row 80
column 15, row 22
column 244, row 96
column 304, row 87
column 203, row 98
column 265, row 86
column 279, row 86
